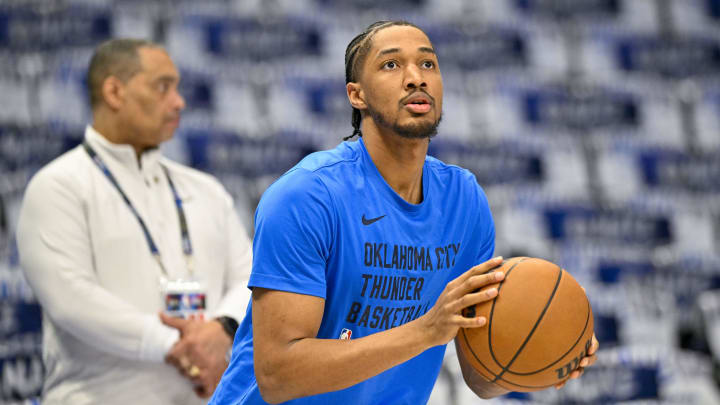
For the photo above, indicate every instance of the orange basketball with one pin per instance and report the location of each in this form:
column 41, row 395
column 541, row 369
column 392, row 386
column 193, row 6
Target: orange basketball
column 539, row 327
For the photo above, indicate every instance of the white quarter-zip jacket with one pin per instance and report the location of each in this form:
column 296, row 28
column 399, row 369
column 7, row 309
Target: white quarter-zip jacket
column 88, row 262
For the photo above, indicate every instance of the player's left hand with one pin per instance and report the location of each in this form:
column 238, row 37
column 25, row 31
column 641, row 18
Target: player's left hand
column 200, row 353
column 586, row 361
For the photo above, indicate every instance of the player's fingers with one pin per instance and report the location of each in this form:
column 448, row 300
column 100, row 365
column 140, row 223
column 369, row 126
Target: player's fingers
column 474, row 283
column 588, row 360
column 478, row 269
column 471, row 299
column 470, row 285
column 594, row 346
column 463, row 322
column 577, row 373
column 486, row 266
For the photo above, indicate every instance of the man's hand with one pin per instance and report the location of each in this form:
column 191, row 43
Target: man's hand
column 587, row 361
column 200, row 353
column 444, row 319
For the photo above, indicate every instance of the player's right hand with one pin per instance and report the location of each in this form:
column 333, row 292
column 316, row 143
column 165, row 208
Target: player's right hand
column 442, row 322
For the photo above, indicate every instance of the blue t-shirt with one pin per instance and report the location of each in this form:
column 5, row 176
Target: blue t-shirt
column 332, row 227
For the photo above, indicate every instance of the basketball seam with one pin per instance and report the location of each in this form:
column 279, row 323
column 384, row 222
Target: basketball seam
column 587, row 321
column 490, row 317
column 467, row 343
column 529, row 336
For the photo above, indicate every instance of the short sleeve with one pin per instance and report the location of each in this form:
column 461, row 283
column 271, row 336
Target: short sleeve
column 293, row 228
column 485, row 228
column 479, row 227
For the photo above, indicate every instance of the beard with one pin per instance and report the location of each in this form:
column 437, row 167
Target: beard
column 415, row 130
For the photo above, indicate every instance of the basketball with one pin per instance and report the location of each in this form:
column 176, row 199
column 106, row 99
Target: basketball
column 538, row 329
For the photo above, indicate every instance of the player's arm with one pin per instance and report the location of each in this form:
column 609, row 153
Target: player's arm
column 57, row 259
column 290, row 362
column 476, row 382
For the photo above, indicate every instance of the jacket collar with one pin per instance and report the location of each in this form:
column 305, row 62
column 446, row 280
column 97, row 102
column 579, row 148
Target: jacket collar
column 123, row 154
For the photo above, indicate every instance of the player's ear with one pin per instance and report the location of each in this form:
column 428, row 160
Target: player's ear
column 356, row 95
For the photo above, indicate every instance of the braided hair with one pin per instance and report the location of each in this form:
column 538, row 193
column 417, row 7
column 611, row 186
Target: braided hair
column 355, row 54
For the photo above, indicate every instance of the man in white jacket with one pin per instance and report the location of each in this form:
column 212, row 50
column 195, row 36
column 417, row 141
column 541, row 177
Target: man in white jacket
column 111, row 234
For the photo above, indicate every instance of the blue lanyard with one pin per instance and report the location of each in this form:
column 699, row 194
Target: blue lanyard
column 185, row 234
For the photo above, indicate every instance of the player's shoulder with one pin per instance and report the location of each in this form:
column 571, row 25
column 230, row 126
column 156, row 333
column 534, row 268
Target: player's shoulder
column 452, row 175
column 458, row 181
column 313, row 178
column 320, row 168
column 328, row 163
column 295, row 186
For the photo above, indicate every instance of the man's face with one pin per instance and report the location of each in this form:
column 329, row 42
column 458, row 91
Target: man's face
column 402, row 83
column 152, row 104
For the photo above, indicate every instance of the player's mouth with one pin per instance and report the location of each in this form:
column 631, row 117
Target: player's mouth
column 418, row 103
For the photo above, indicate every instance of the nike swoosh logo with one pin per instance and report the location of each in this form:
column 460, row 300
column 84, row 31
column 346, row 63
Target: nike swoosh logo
column 366, row 221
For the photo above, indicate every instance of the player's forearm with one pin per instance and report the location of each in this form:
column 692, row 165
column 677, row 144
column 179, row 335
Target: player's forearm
column 313, row 366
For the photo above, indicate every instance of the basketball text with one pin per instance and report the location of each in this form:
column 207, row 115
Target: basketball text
column 568, row 368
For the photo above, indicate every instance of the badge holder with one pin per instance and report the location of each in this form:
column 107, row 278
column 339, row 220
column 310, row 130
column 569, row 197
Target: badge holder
column 183, row 298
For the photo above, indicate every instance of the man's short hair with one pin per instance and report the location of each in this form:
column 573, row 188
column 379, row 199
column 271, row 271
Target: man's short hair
column 115, row 57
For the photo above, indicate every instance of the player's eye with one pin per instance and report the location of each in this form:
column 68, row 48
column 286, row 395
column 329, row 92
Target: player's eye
column 389, row 65
column 428, row 64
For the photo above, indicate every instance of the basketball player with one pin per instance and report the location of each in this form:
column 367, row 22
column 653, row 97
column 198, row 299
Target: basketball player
column 366, row 254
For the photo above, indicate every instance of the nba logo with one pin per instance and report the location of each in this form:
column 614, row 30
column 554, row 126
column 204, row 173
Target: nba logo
column 345, row 334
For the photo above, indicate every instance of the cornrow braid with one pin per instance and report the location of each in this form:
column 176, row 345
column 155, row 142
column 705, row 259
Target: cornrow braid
column 355, row 54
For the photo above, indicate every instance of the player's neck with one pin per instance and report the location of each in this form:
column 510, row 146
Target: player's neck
column 400, row 161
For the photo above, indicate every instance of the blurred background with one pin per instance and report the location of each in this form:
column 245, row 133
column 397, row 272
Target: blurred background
column 593, row 126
